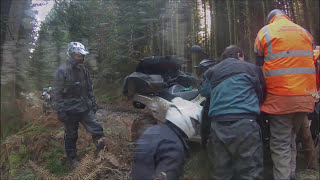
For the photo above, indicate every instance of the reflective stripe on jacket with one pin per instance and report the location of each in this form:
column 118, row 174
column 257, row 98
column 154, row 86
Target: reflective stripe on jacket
column 288, row 66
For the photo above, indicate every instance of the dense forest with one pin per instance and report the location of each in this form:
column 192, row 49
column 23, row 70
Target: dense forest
column 119, row 33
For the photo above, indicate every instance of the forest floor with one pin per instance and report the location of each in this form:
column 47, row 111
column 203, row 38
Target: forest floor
column 36, row 151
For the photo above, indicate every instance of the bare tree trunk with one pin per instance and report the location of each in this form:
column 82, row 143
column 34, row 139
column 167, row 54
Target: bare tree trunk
column 215, row 28
column 9, row 109
column 263, row 9
column 234, row 22
column 290, row 9
column 205, row 26
column 212, row 48
column 297, row 13
column 309, row 15
column 229, row 21
column 194, row 36
column 247, row 14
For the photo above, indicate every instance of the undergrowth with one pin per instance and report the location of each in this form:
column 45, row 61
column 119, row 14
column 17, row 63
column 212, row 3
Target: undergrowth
column 55, row 160
column 196, row 160
column 107, row 95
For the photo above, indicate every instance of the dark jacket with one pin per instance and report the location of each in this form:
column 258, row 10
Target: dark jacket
column 160, row 148
column 73, row 89
column 235, row 89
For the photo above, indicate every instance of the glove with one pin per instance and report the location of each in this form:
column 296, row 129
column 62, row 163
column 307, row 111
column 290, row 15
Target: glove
column 205, row 125
column 62, row 116
column 94, row 107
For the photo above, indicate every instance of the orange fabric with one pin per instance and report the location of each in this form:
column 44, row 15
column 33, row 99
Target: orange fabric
column 289, row 62
column 290, row 85
column 275, row 104
column 316, row 54
column 278, row 42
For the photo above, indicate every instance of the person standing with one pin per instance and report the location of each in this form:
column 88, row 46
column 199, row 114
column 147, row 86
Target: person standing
column 75, row 102
column 235, row 89
column 284, row 51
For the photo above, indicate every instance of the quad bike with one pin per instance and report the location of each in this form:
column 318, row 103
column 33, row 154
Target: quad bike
column 156, row 82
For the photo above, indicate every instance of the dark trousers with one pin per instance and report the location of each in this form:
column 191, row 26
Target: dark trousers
column 235, row 149
column 89, row 122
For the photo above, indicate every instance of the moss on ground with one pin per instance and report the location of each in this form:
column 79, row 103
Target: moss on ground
column 17, row 161
column 55, row 160
column 198, row 165
column 107, row 96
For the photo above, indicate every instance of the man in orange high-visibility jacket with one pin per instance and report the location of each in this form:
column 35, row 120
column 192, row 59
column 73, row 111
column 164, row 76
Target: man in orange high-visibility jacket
column 284, row 50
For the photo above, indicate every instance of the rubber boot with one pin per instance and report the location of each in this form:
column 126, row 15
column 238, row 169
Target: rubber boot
column 73, row 162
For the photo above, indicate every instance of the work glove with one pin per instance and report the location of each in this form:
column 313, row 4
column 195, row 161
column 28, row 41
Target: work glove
column 62, row 116
column 205, row 125
column 94, row 107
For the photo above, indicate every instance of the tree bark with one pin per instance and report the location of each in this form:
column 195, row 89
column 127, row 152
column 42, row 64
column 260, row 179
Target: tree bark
column 229, row 21
column 309, row 15
column 247, row 14
column 235, row 39
column 9, row 109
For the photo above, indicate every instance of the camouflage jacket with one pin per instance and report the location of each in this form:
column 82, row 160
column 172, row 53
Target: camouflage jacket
column 72, row 90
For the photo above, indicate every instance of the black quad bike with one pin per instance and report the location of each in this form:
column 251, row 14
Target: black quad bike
column 156, row 81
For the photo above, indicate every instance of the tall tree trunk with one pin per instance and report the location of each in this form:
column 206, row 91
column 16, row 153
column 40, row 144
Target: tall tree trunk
column 309, row 15
column 172, row 29
column 177, row 33
column 291, row 9
column 194, row 35
column 212, row 48
column 235, row 39
column 263, row 9
column 305, row 14
column 297, row 13
column 229, row 21
column 9, row 109
column 214, row 4
column 205, row 26
column 247, row 14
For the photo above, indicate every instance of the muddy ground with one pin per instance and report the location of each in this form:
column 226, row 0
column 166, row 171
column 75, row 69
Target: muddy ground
column 36, row 152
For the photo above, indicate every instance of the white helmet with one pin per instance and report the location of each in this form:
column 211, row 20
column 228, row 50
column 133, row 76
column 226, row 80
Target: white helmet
column 76, row 48
column 185, row 115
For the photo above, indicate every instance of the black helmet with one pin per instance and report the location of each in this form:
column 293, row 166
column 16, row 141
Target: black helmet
column 206, row 63
column 272, row 14
column 198, row 49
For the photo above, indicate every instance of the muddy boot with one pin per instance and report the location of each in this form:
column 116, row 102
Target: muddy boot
column 73, row 162
column 308, row 146
column 99, row 143
column 292, row 176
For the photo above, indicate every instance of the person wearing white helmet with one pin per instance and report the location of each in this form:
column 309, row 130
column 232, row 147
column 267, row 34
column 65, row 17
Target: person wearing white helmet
column 74, row 100
column 161, row 150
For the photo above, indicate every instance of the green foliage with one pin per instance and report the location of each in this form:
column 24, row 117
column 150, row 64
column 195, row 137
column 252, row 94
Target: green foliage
column 17, row 160
column 82, row 152
column 11, row 128
column 14, row 161
column 30, row 130
column 116, row 33
column 108, row 96
column 55, row 160
column 198, row 166
column 10, row 120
